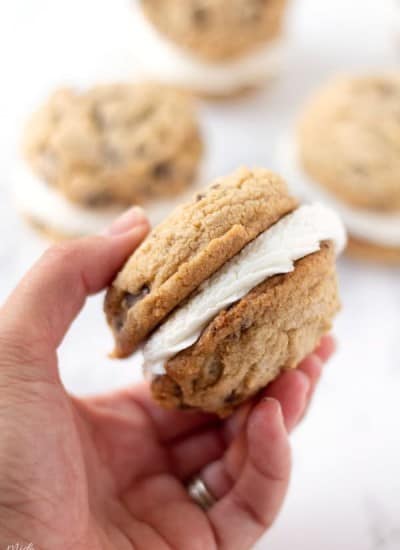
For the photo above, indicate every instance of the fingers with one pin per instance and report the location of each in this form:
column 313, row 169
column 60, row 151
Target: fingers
column 326, row 348
column 127, row 221
column 190, row 455
column 312, row 366
column 197, row 442
column 295, row 389
column 291, row 390
column 50, row 296
column 169, row 425
column 256, row 497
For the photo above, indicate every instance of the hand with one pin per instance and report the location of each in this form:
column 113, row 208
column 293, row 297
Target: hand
column 110, row 472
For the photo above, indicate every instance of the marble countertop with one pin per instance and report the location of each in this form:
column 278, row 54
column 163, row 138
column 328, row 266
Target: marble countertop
column 345, row 489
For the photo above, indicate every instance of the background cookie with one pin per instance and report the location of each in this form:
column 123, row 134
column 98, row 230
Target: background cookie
column 345, row 153
column 190, row 43
column 373, row 252
column 188, row 247
column 349, row 140
column 206, row 27
column 118, row 143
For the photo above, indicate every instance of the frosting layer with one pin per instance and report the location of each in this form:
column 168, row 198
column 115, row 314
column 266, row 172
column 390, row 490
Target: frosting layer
column 273, row 252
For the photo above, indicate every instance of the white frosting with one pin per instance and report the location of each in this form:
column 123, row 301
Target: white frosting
column 273, row 252
column 164, row 61
column 46, row 205
column 381, row 229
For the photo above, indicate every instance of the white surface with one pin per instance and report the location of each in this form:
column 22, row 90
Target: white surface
column 346, row 487
column 272, row 253
column 381, row 229
column 167, row 62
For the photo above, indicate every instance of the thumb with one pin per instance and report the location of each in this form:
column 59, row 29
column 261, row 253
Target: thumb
column 39, row 312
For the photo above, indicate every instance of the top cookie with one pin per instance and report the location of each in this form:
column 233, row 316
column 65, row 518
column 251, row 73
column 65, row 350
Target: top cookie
column 349, row 141
column 120, row 143
column 206, row 27
column 191, row 244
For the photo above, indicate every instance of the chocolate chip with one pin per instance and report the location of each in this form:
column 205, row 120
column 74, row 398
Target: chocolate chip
column 214, row 369
column 111, row 155
column 118, row 323
column 162, row 170
column 130, row 299
column 232, row 397
column 386, row 88
column 142, row 115
column 96, row 200
column 359, row 169
column 98, row 118
column 200, row 16
column 200, row 196
column 140, row 150
column 245, row 324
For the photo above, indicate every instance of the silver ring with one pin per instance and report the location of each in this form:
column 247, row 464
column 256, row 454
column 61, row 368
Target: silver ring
column 199, row 492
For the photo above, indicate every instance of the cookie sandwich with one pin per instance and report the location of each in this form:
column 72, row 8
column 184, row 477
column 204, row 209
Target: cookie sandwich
column 345, row 152
column 228, row 291
column 89, row 155
column 212, row 47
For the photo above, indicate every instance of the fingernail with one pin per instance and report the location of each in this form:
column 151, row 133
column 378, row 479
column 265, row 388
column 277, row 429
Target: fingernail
column 128, row 220
column 275, row 401
column 326, row 348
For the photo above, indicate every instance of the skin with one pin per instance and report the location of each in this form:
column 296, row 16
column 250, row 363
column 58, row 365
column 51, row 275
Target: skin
column 110, row 472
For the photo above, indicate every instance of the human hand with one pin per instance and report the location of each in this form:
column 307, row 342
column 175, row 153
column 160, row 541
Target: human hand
column 110, row 472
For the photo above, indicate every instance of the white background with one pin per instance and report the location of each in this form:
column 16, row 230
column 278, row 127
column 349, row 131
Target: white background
column 345, row 490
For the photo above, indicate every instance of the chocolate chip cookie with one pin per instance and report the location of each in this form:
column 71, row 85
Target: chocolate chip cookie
column 121, row 144
column 231, row 289
column 345, row 152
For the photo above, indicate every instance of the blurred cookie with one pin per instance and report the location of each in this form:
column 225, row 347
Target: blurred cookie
column 228, row 291
column 94, row 153
column 346, row 153
column 209, row 46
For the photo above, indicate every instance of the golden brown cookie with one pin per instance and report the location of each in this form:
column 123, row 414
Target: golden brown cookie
column 246, row 346
column 346, row 154
column 228, row 291
column 349, row 141
column 364, row 250
column 115, row 144
column 192, row 243
column 206, row 27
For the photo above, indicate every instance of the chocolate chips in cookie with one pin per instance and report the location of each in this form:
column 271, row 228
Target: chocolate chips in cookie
column 240, row 284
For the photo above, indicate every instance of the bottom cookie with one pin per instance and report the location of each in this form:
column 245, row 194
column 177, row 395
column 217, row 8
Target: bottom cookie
column 364, row 250
column 247, row 345
column 45, row 231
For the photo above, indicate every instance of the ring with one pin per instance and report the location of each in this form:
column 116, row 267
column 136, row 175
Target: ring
column 199, row 492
